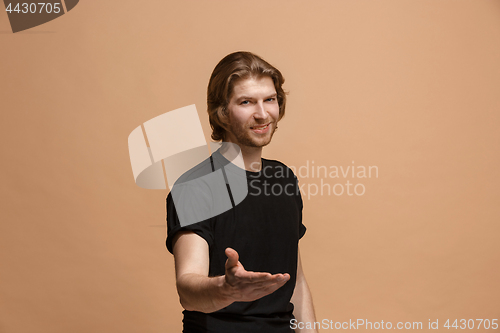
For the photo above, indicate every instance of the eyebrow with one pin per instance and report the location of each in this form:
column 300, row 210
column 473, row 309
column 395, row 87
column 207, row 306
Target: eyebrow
column 248, row 97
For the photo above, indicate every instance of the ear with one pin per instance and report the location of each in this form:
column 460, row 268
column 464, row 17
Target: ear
column 223, row 114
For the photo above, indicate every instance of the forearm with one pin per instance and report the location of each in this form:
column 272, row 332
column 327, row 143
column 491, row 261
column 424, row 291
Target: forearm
column 202, row 293
column 303, row 308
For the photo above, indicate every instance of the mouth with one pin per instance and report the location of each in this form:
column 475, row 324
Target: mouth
column 260, row 129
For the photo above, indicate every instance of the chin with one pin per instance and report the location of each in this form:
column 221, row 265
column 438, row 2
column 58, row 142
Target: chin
column 261, row 143
column 248, row 139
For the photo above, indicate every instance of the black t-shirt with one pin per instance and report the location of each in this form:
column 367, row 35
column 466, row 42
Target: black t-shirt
column 264, row 229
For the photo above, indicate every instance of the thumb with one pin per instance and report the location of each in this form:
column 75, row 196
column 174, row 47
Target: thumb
column 232, row 257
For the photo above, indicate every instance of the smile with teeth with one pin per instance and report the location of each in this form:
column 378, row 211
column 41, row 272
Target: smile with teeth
column 260, row 127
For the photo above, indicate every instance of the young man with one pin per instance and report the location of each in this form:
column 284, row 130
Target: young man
column 240, row 270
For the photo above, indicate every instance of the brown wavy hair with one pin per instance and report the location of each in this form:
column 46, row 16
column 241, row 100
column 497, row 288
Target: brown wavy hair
column 234, row 67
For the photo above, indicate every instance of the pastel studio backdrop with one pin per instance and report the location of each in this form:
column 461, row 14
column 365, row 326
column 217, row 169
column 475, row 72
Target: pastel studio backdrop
column 408, row 87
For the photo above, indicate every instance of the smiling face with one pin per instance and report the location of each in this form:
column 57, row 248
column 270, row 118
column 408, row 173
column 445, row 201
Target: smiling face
column 253, row 112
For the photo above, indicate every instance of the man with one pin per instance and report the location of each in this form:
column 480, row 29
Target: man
column 240, row 270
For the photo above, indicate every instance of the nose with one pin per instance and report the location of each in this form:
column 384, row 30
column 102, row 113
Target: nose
column 260, row 112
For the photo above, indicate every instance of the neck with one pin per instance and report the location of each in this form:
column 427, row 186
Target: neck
column 251, row 156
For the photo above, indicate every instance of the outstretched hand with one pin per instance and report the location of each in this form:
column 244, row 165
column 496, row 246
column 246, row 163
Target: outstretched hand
column 247, row 286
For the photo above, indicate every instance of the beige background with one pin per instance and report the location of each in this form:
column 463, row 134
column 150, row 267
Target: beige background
column 409, row 86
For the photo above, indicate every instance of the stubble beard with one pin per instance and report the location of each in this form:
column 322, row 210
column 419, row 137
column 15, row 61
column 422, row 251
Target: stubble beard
column 244, row 137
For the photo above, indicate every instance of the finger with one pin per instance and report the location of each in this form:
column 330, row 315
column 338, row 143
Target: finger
column 280, row 278
column 260, row 280
column 232, row 258
column 277, row 280
column 286, row 277
column 253, row 277
column 268, row 288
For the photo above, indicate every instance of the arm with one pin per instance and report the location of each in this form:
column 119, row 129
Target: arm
column 199, row 292
column 302, row 301
column 196, row 291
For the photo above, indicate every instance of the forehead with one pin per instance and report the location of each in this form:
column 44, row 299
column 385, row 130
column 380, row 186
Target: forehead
column 253, row 86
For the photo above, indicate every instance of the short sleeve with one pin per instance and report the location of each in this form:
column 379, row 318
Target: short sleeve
column 203, row 229
column 302, row 227
column 302, row 230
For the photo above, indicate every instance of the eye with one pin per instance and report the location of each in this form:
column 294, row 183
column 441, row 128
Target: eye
column 271, row 99
column 244, row 102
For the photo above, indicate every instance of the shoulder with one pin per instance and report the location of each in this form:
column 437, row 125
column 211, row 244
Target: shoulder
column 277, row 168
column 201, row 169
column 194, row 182
column 190, row 190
